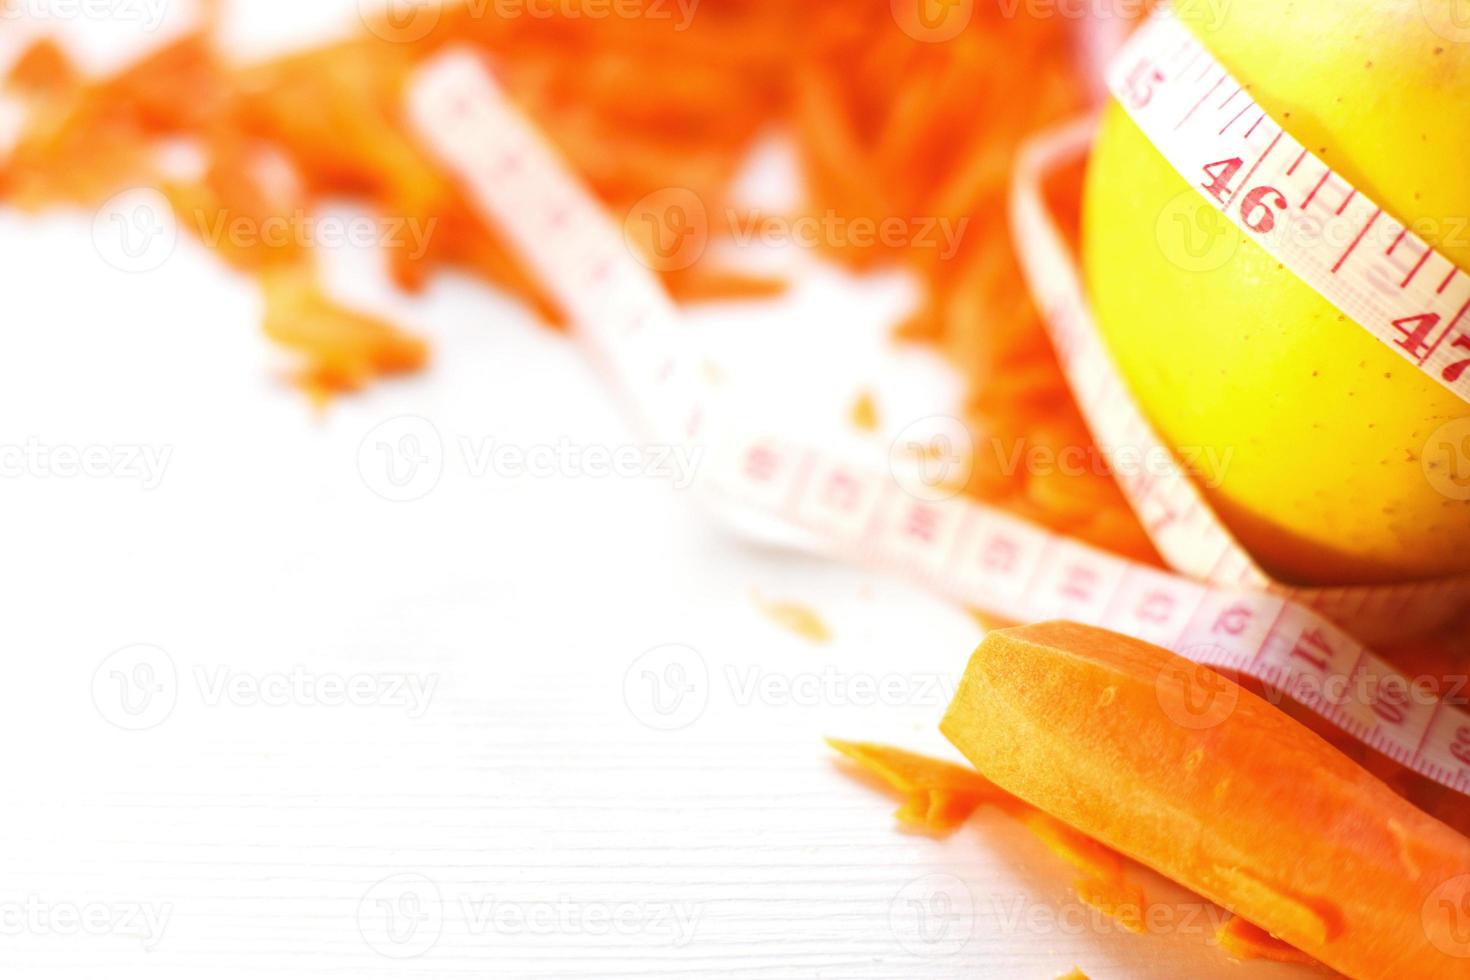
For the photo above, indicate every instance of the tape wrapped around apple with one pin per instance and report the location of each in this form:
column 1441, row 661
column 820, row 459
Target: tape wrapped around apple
column 1339, row 463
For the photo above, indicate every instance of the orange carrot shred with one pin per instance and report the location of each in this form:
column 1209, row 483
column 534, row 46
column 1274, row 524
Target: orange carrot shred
column 796, row 618
column 937, row 796
column 1245, row 941
column 864, row 412
column 940, row 796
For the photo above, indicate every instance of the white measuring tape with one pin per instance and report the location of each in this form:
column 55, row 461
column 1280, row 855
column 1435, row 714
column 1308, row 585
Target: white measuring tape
column 978, row 555
column 1331, row 235
column 1187, row 533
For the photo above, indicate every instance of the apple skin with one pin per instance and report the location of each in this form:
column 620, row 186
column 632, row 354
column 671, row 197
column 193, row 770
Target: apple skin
column 1343, row 463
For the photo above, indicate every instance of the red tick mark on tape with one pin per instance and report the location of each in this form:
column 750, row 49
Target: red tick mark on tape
column 1460, row 315
column 1252, row 172
column 1235, row 119
column 1201, row 102
column 1417, row 266
column 1377, row 213
column 1320, row 184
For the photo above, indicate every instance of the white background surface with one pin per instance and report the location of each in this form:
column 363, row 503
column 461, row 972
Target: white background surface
column 530, row 816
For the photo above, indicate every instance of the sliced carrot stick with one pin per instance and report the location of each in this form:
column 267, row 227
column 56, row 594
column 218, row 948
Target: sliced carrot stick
column 1234, row 800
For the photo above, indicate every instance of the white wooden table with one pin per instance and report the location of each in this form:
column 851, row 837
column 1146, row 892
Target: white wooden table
column 261, row 718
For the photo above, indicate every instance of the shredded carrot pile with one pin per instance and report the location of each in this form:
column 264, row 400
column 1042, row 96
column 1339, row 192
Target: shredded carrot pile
column 893, row 131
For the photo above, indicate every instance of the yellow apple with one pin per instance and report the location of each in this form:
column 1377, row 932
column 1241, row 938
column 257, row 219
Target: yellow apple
column 1344, row 463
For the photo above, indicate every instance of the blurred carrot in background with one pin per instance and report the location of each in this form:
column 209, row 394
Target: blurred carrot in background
column 890, row 127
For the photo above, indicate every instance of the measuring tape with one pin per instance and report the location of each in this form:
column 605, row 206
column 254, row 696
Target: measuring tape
column 975, row 554
column 1186, row 531
column 1308, row 216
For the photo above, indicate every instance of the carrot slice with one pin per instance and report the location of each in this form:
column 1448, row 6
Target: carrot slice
column 1247, row 941
column 1252, row 811
column 938, row 796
